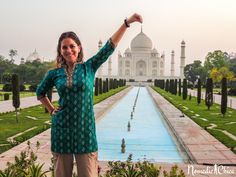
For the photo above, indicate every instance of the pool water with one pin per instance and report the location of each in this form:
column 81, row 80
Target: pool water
column 148, row 138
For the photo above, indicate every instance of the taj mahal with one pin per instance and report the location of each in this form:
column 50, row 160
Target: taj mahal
column 139, row 62
column 142, row 62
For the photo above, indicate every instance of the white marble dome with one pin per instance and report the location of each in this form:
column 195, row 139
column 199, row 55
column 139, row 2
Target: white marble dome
column 141, row 42
column 128, row 50
column 34, row 56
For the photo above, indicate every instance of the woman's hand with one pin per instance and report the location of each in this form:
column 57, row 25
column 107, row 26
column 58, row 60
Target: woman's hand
column 116, row 37
column 54, row 111
column 135, row 18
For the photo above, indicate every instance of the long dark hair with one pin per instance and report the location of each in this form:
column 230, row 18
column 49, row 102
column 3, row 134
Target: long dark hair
column 59, row 59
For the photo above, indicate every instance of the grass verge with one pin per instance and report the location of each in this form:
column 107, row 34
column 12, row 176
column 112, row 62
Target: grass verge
column 204, row 117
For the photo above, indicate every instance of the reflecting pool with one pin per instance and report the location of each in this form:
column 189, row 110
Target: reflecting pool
column 148, row 138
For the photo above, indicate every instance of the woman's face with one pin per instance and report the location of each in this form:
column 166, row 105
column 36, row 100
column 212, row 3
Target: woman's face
column 69, row 50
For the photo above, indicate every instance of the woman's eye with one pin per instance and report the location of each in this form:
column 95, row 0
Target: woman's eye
column 72, row 46
column 64, row 47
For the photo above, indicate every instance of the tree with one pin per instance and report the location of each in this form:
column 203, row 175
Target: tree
column 185, row 89
column 179, row 87
column 16, row 93
column 12, row 54
column 203, row 74
column 171, row 86
column 224, row 96
column 167, row 85
column 218, row 74
column 100, row 86
column 176, row 86
column 209, row 93
column 216, row 59
column 232, row 64
column 96, row 86
column 192, row 71
column 199, row 85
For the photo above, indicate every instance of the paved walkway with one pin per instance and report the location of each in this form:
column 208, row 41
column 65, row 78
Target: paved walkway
column 216, row 98
column 6, row 106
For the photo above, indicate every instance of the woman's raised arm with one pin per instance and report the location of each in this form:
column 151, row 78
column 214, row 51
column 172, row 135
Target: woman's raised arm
column 116, row 37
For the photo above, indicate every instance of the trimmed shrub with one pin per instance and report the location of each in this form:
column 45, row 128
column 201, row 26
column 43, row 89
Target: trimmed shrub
column 180, row 87
column 167, row 85
column 224, row 96
column 96, row 86
column 199, row 91
column 131, row 80
column 7, row 88
column 15, row 93
column 232, row 92
column 185, row 89
column 209, row 93
column 6, row 96
column 22, row 87
column 33, row 87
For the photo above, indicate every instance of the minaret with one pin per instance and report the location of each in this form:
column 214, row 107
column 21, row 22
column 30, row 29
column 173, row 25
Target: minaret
column 182, row 59
column 109, row 67
column 99, row 73
column 22, row 61
column 162, row 65
column 172, row 69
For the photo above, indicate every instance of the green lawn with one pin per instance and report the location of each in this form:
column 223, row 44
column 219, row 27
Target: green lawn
column 9, row 127
column 213, row 116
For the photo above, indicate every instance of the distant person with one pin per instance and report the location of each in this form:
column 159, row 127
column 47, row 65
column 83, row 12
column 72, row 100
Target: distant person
column 73, row 132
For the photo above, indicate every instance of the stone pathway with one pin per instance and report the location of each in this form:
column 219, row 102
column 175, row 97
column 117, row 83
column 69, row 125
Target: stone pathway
column 10, row 139
column 6, row 106
column 213, row 126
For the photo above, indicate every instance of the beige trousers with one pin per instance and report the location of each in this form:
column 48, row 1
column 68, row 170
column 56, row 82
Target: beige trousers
column 87, row 164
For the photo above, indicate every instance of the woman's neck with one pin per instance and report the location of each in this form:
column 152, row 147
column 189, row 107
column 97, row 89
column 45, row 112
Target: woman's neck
column 70, row 65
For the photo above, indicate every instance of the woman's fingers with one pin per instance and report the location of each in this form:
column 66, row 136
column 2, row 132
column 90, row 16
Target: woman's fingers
column 135, row 18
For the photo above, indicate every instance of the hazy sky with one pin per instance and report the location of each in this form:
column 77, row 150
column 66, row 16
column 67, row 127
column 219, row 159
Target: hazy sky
column 205, row 25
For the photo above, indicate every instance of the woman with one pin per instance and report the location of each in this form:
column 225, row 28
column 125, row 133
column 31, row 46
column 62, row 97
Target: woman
column 73, row 132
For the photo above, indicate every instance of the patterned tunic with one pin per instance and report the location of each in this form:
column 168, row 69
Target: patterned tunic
column 73, row 126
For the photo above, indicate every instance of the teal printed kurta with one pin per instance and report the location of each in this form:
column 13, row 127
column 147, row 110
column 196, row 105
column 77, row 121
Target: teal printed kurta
column 73, row 126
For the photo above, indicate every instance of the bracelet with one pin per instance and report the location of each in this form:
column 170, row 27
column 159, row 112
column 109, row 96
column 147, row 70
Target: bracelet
column 126, row 23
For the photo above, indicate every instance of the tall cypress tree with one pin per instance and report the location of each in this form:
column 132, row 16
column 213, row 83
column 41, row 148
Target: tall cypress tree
column 155, row 83
column 104, row 86
column 209, row 93
column 172, row 85
column 179, row 87
column 15, row 94
column 167, row 85
column 100, row 86
column 185, row 89
column 163, row 84
column 96, row 87
column 107, row 85
column 176, row 85
column 199, row 86
column 224, row 96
